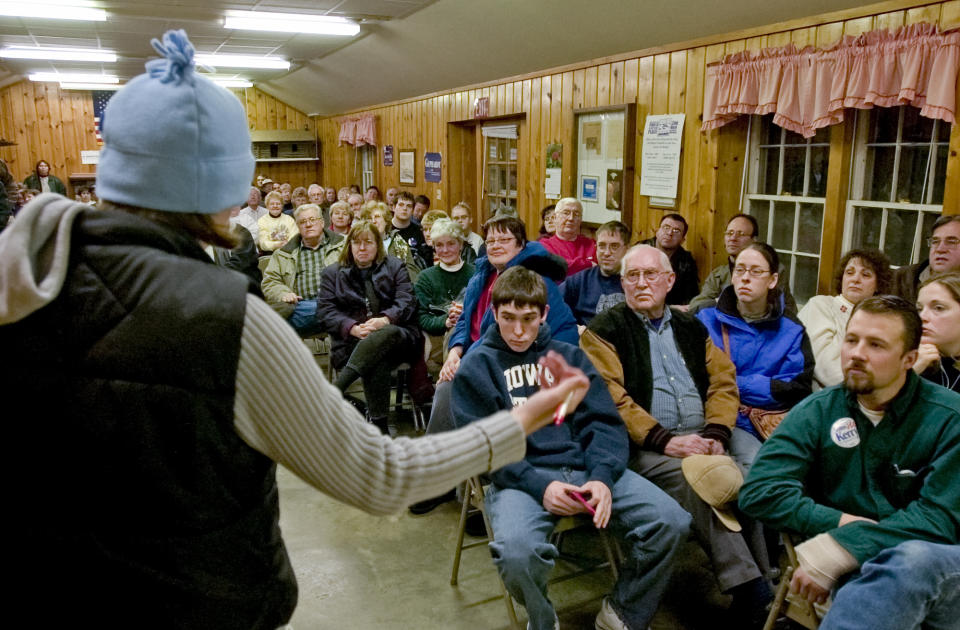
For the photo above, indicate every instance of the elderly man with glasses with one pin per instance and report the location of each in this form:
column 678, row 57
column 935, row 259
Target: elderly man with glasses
column 292, row 277
column 944, row 243
column 677, row 394
column 578, row 250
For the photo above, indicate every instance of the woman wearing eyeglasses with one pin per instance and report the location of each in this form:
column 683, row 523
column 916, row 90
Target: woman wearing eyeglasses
column 939, row 354
column 770, row 350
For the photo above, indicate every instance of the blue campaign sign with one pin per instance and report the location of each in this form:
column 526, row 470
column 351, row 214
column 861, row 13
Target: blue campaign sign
column 432, row 167
column 388, row 155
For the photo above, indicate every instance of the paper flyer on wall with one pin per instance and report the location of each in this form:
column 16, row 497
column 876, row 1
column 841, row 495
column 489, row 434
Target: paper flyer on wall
column 660, row 161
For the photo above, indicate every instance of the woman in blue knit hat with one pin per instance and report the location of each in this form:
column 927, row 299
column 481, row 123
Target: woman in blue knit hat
column 143, row 470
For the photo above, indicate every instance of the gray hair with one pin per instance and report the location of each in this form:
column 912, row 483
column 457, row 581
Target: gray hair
column 446, row 227
column 340, row 205
column 307, row 206
column 314, row 187
column 568, row 201
column 636, row 249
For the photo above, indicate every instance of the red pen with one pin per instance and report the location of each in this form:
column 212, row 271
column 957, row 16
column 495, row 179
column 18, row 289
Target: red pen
column 561, row 411
column 579, row 497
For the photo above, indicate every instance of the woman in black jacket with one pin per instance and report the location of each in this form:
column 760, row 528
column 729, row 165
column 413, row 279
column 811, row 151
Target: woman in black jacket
column 367, row 304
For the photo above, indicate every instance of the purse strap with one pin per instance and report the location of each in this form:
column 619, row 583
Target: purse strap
column 726, row 340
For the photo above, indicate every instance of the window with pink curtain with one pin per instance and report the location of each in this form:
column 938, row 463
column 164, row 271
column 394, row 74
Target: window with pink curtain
column 358, row 130
column 809, row 89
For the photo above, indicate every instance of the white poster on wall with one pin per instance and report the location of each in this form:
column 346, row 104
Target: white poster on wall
column 660, row 161
column 600, row 165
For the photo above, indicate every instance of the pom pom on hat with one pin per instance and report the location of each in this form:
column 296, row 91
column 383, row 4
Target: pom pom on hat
column 174, row 140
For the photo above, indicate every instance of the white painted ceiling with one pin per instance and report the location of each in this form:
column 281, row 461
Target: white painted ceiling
column 405, row 47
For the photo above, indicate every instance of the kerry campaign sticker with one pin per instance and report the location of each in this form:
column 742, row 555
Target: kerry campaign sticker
column 844, row 433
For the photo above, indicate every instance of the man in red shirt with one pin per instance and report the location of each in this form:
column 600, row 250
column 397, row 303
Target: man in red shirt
column 579, row 251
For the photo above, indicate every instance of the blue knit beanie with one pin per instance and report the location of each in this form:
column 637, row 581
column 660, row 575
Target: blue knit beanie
column 174, row 140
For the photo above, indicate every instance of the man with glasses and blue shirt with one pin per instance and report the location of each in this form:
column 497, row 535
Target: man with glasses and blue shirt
column 742, row 229
column 944, row 243
column 677, row 394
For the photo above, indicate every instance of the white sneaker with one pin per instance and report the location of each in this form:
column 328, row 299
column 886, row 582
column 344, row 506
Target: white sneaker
column 608, row 619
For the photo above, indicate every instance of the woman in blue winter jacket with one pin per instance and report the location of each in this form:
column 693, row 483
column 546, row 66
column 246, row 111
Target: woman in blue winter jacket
column 770, row 350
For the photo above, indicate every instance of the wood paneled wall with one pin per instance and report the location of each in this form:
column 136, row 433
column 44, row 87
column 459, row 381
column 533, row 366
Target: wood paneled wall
column 55, row 125
column 661, row 81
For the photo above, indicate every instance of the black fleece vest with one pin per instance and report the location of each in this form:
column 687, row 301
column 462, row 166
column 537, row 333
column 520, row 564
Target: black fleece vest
column 622, row 328
column 140, row 506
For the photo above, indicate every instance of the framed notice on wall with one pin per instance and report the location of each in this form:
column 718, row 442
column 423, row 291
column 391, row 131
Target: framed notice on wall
column 408, row 166
column 603, row 154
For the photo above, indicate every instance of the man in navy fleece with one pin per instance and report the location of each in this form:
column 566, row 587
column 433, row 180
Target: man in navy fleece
column 596, row 289
column 587, row 455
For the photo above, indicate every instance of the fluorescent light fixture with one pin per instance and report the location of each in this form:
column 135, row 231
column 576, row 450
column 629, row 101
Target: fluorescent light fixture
column 241, row 61
column 53, row 10
column 233, row 83
column 90, row 86
column 290, row 23
column 59, row 54
column 66, row 77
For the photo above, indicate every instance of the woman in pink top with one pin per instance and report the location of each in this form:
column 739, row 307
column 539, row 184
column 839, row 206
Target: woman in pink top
column 579, row 251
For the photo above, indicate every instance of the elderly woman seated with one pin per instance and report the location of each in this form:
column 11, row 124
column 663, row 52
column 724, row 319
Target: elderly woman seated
column 860, row 274
column 367, row 304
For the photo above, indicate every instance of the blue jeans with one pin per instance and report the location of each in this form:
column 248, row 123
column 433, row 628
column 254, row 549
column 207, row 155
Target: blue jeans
column 651, row 525
column 915, row 584
column 304, row 318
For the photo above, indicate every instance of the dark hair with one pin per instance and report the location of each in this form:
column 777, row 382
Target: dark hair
column 943, row 220
column 750, row 218
column 676, row 217
column 359, row 227
column 507, row 224
column 616, row 227
column 895, row 305
column 521, row 287
column 422, row 199
column 372, row 187
column 543, row 217
column 199, row 226
column 36, row 168
column 769, row 254
column 873, row 258
column 404, row 194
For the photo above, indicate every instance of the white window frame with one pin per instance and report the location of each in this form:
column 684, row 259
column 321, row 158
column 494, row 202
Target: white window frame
column 858, row 180
column 368, row 161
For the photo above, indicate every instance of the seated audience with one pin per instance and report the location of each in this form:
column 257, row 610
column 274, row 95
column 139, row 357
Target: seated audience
column 344, row 193
column 299, row 197
column 286, row 190
column 944, row 256
column 266, row 187
column 274, row 228
column 367, row 305
column 341, row 216
column 677, row 394
column 440, row 288
column 382, row 216
column 868, row 473
column 252, row 207
column 669, row 239
column 421, row 205
column 770, row 350
column 860, row 274
column 239, row 217
column 411, row 232
column 547, row 221
column 392, row 194
column 596, row 289
column 463, row 214
column 356, row 202
column 41, row 179
column 426, row 223
column 741, row 231
column 578, row 250
column 292, row 277
column 939, row 354
column 85, row 195
column 355, row 188
column 329, row 196
column 372, row 194
column 585, row 456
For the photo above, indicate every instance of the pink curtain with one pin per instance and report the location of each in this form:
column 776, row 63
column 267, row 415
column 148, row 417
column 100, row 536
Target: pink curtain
column 809, row 89
column 358, row 130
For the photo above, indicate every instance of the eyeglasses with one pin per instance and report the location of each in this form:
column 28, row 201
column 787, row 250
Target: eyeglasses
column 755, row 272
column 670, row 230
column 649, row 275
column 310, row 221
column 569, row 214
column 736, row 234
column 951, row 242
column 502, row 241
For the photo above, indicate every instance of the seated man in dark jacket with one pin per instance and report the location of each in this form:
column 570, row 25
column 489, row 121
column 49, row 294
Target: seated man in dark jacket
column 669, row 239
column 576, row 467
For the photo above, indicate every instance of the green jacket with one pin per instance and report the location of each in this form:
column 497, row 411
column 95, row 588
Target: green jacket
column 281, row 273
column 33, row 181
column 904, row 472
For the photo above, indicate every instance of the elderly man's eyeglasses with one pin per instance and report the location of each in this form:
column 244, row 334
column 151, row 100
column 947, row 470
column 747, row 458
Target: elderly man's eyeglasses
column 736, row 234
column 649, row 275
column 310, row 221
column 951, row 242
column 754, row 272
column 569, row 214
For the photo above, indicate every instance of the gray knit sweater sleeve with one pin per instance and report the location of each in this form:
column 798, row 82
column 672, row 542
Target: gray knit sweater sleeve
column 287, row 410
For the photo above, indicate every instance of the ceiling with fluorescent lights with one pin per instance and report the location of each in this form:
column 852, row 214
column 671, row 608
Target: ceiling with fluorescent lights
column 405, row 47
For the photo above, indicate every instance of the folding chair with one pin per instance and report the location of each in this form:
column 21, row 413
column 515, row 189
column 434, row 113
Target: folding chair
column 797, row 608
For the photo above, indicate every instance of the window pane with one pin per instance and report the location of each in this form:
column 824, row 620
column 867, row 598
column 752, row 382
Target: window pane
column 822, row 137
column 811, row 226
column 866, row 227
column 943, row 131
column 783, row 219
column 916, row 128
column 880, row 174
column 773, row 132
column 794, row 138
column 912, row 171
column 901, row 226
column 769, row 168
column 760, row 210
column 794, row 161
column 883, row 124
column 940, row 174
column 819, row 161
column 805, row 278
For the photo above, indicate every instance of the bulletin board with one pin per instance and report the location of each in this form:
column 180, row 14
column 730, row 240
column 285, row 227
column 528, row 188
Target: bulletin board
column 604, row 156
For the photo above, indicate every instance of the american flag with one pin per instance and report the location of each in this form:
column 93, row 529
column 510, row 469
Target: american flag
column 100, row 100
